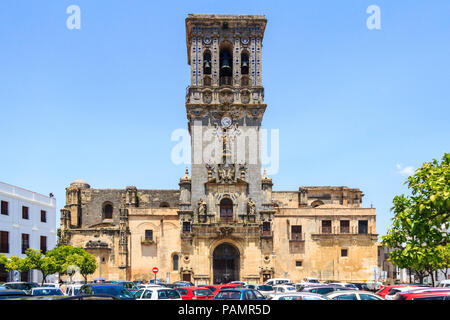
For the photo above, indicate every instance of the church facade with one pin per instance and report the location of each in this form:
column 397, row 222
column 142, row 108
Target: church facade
column 224, row 222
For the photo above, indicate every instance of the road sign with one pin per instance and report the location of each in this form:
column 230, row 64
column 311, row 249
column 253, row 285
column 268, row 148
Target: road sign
column 155, row 270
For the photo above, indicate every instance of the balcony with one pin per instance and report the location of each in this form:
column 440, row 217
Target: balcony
column 297, row 237
column 266, row 234
column 338, row 232
column 145, row 241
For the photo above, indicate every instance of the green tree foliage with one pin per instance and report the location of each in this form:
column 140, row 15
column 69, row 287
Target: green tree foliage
column 3, row 259
column 419, row 235
column 85, row 261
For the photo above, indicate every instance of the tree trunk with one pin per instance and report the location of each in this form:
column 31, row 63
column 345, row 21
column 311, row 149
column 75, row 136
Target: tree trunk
column 43, row 279
column 85, row 278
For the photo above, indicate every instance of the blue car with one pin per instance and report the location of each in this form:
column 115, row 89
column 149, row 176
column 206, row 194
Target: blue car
column 239, row 294
column 116, row 290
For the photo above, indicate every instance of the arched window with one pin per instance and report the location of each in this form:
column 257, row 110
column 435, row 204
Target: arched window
column 226, row 64
column 164, row 205
column 244, row 63
column 316, row 203
column 107, row 210
column 175, row 262
column 207, row 62
column 226, row 210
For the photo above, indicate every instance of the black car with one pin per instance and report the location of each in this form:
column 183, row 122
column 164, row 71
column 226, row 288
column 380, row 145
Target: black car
column 323, row 289
column 115, row 290
column 11, row 294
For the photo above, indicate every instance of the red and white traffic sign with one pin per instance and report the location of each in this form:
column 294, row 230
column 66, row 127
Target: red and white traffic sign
column 155, row 270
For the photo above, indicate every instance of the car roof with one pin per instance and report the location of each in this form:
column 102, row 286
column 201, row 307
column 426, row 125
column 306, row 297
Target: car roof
column 39, row 288
column 237, row 289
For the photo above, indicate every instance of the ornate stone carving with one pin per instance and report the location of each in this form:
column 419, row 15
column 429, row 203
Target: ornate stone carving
column 245, row 97
column 226, row 97
column 207, row 97
column 227, row 173
column 201, row 207
column 251, row 207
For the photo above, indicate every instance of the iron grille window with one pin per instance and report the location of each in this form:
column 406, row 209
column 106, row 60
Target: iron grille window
column 43, row 244
column 25, row 242
column 296, row 232
column 362, row 226
column 43, row 216
column 186, row 227
column 148, row 234
column 25, row 213
column 4, row 242
column 326, row 226
column 345, row 226
column 5, row 208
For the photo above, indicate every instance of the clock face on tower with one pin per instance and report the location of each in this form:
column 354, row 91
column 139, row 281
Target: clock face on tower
column 226, row 122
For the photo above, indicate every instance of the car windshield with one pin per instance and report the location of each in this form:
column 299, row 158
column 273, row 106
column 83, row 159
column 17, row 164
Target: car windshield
column 21, row 286
column 117, row 291
column 168, row 294
column 265, row 288
column 229, row 295
column 47, row 292
column 202, row 292
column 290, row 288
column 182, row 291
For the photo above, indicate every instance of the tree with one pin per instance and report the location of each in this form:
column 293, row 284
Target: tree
column 35, row 259
column 60, row 254
column 3, row 259
column 85, row 262
column 419, row 235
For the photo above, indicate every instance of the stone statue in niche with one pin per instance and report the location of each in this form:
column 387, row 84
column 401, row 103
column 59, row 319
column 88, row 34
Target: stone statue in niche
column 251, row 207
column 201, row 207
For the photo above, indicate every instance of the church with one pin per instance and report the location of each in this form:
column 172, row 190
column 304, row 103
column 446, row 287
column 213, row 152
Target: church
column 225, row 222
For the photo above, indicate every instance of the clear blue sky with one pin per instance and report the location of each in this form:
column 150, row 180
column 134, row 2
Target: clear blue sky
column 100, row 103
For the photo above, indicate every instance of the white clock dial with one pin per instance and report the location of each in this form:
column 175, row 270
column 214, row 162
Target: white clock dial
column 226, row 122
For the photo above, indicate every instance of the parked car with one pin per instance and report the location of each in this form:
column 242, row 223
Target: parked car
column 51, row 285
column 393, row 291
column 298, row 296
column 346, row 285
column 99, row 280
column 72, row 289
column 243, row 283
column 46, row 291
column 324, row 289
column 91, row 297
column 265, row 289
column 361, row 286
column 239, row 294
column 157, row 281
column 428, row 295
column 130, row 286
column 353, row 295
column 183, row 283
column 215, row 288
column 11, row 293
column 117, row 290
column 283, row 289
column 277, row 281
column 21, row 285
column 310, row 280
column 444, row 284
column 384, row 291
column 195, row 293
column 157, row 294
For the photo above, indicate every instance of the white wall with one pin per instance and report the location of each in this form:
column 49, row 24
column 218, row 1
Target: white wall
column 15, row 225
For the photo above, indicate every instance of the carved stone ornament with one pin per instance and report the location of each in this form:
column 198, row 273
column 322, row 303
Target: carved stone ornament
column 225, row 231
column 245, row 97
column 227, row 173
column 201, row 207
column 207, row 97
column 251, row 207
column 226, row 97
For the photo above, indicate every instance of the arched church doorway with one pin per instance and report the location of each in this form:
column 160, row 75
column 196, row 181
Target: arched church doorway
column 226, row 263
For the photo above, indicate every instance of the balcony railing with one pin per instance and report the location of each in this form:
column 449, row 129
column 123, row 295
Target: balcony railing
column 147, row 241
column 297, row 237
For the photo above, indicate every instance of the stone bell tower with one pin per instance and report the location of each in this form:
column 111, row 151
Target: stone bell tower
column 225, row 107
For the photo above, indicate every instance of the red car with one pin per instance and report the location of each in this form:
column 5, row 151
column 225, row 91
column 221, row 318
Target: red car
column 215, row 288
column 430, row 295
column 195, row 293
column 385, row 290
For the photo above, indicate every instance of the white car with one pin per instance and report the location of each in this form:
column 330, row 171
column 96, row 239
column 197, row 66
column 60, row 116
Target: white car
column 239, row 282
column 46, row 291
column 72, row 289
column 153, row 293
column 353, row 295
column 298, row 296
column 277, row 281
column 281, row 289
column 444, row 284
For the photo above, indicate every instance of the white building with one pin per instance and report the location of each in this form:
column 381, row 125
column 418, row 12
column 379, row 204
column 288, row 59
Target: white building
column 27, row 220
